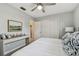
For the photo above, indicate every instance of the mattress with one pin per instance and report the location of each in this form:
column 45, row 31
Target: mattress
column 42, row 47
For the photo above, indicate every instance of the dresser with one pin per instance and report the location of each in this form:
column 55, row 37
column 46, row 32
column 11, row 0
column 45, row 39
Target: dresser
column 8, row 46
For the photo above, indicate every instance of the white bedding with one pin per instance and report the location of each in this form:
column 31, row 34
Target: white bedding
column 42, row 47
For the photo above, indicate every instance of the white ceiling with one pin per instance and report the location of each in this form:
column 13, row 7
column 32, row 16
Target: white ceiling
column 55, row 9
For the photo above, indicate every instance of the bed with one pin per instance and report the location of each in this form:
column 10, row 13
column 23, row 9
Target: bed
column 42, row 47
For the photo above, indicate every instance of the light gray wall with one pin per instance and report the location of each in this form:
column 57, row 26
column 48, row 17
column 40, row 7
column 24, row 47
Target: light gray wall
column 76, row 18
column 8, row 12
column 11, row 13
column 58, row 23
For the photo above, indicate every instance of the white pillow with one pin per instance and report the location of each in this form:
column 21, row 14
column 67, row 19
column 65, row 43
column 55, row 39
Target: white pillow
column 66, row 36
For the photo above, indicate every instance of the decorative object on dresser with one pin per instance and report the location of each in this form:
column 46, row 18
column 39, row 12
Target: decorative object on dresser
column 9, row 43
column 2, row 36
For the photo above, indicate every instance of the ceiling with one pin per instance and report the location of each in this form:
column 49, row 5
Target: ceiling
column 54, row 9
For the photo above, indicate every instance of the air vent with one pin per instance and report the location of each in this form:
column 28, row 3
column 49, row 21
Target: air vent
column 22, row 8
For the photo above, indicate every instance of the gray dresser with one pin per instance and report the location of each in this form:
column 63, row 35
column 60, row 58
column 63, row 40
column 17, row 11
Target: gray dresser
column 8, row 46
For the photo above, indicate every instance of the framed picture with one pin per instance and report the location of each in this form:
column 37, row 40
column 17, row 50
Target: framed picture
column 14, row 26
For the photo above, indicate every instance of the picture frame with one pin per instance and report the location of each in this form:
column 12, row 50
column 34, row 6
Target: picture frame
column 14, row 26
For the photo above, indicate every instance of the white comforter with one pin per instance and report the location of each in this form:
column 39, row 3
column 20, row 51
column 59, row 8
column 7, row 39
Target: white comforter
column 42, row 47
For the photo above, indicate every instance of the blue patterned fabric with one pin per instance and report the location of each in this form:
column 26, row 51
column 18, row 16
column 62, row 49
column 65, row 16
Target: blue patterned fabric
column 71, row 44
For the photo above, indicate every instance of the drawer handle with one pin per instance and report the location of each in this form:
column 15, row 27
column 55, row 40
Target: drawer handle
column 12, row 42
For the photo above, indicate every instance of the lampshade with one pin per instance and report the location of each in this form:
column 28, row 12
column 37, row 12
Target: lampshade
column 69, row 29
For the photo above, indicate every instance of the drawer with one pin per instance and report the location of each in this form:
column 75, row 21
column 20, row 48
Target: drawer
column 12, row 46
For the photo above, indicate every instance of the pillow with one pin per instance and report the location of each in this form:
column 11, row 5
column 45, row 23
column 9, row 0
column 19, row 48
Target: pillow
column 66, row 36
